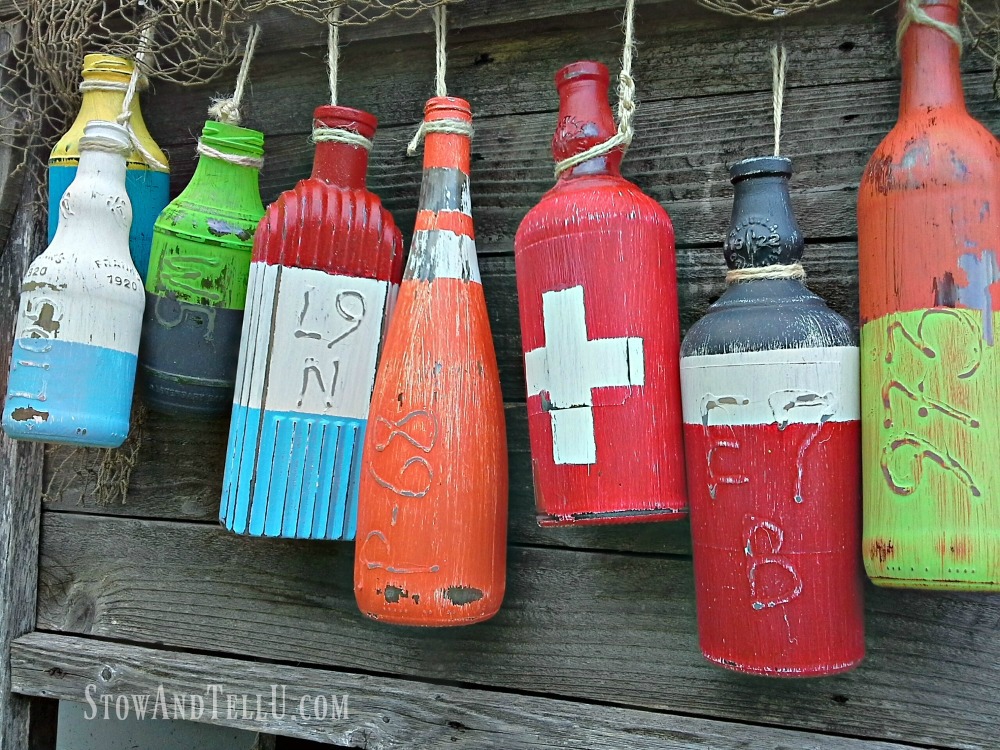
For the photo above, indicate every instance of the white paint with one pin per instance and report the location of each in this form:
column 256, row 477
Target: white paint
column 310, row 341
column 784, row 386
column 570, row 366
column 445, row 255
column 84, row 288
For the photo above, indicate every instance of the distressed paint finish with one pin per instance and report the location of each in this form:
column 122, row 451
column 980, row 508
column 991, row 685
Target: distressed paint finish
column 74, row 359
column 328, row 259
column 771, row 424
column 148, row 188
column 597, row 291
column 929, row 234
column 432, row 517
column 198, row 276
column 774, row 437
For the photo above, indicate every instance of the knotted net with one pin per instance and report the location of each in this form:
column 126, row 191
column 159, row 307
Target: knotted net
column 763, row 10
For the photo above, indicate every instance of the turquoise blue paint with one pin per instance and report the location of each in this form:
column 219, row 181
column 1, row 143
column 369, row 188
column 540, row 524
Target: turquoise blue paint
column 289, row 502
column 149, row 192
column 64, row 392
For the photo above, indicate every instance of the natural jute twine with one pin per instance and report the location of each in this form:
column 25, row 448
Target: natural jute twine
column 777, row 271
column 227, row 110
column 448, row 126
column 626, row 103
column 321, row 133
column 125, row 118
column 914, row 13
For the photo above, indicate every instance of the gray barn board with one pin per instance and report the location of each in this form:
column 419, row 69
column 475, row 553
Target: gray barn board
column 596, row 645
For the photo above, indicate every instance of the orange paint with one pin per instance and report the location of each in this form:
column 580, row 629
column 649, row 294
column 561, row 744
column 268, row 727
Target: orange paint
column 432, row 519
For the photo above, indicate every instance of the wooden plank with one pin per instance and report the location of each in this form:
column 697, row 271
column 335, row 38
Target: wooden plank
column 21, row 721
column 510, row 70
column 591, row 626
column 381, row 713
column 681, row 157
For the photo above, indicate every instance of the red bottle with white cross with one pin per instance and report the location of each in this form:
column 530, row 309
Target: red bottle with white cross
column 597, row 290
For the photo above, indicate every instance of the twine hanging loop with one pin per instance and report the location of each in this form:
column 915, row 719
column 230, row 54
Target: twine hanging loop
column 227, row 109
column 779, row 64
column 626, row 103
column 321, row 133
column 125, row 117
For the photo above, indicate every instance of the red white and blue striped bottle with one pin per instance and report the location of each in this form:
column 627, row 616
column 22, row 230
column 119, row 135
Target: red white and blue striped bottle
column 80, row 316
column 326, row 268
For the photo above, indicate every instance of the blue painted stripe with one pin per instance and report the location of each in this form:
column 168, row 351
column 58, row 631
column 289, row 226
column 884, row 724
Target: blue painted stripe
column 292, row 475
column 149, row 192
column 65, row 392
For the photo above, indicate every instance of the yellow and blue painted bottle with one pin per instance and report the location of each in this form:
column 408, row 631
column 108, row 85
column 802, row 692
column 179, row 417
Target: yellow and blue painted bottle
column 77, row 336
column 105, row 78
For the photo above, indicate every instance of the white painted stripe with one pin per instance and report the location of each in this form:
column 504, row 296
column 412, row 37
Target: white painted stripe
column 784, row 386
column 570, row 366
column 83, row 300
column 442, row 254
column 311, row 341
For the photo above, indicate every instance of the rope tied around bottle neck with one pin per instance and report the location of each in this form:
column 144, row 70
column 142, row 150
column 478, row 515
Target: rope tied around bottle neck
column 125, row 118
column 773, row 272
column 116, row 86
column 105, row 145
column 626, row 103
column 913, row 12
column 448, row 126
column 321, row 133
column 227, row 109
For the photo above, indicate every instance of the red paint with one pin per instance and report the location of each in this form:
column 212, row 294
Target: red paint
column 928, row 195
column 769, row 612
column 598, row 231
column 432, row 518
column 331, row 222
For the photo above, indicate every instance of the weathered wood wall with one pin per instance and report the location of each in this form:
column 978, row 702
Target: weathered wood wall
column 596, row 644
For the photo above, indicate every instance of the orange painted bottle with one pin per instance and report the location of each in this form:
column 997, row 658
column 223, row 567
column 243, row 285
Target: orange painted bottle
column 432, row 508
column 929, row 252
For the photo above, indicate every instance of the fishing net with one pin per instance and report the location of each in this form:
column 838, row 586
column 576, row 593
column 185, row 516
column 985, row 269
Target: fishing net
column 983, row 28
column 348, row 12
column 763, row 10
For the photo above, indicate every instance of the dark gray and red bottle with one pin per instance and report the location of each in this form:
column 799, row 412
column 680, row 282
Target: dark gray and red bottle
column 769, row 381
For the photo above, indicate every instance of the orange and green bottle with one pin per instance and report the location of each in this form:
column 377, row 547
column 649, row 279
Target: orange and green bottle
column 105, row 79
column 198, row 273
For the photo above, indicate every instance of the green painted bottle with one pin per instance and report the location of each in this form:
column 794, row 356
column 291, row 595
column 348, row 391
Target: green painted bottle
column 198, row 272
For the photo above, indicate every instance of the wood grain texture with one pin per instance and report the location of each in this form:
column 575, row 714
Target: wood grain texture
column 590, row 626
column 385, row 713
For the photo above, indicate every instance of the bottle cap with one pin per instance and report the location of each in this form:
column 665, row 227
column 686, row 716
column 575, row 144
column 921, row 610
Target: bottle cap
column 346, row 118
column 232, row 139
column 759, row 166
column 583, row 70
column 447, row 108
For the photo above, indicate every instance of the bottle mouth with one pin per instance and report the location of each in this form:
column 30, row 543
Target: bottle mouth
column 760, row 166
column 108, row 67
column 106, row 130
column 346, row 118
column 448, row 108
column 232, row 139
column 583, row 70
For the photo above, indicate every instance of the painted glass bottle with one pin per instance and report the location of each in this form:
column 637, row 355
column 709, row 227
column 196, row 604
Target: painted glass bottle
column 432, row 515
column 326, row 268
column 105, row 78
column 928, row 240
column 597, row 289
column 74, row 359
column 198, row 275
column 771, row 425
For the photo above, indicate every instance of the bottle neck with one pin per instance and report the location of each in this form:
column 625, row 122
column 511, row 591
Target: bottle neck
column 99, row 185
column 931, row 72
column 242, row 185
column 341, row 164
column 107, row 105
column 763, row 230
column 585, row 120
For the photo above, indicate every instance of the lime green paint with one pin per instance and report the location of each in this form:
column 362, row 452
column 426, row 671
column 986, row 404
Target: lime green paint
column 931, row 450
column 203, row 240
